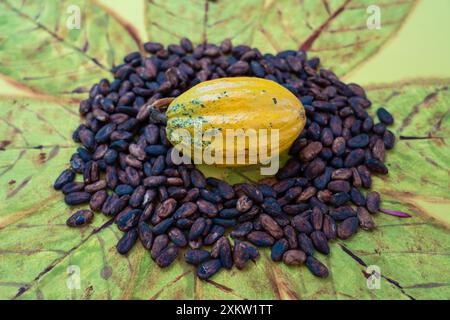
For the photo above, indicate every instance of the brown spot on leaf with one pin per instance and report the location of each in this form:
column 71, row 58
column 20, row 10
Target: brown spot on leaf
column 4, row 143
column 327, row 6
column 20, row 187
column 87, row 294
column 85, row 46
column 39, row 295
column 53, row 152
column 106, row 272
column 42, row 157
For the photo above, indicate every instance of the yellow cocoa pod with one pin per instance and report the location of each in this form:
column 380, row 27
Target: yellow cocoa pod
column 212, row 111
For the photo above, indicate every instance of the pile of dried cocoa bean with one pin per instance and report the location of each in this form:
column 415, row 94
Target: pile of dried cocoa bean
column 316, row 197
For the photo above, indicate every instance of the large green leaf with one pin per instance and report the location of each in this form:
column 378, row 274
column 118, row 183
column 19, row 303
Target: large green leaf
column 39, row 50
column 58, row 60
column 335, row 30
column 37, row 250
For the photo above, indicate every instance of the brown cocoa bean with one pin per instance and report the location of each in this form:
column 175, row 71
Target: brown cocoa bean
column 271, row 226
column 311, row 151
column 294, row 257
